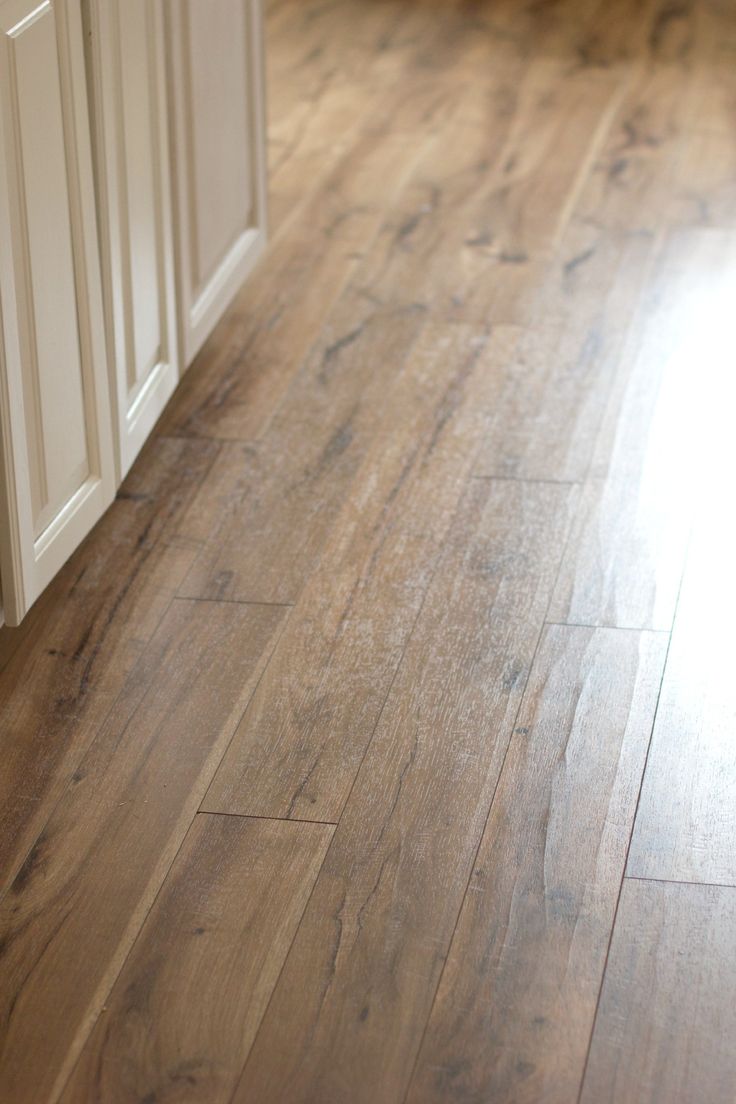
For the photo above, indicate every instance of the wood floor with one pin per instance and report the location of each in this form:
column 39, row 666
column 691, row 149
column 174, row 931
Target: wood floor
column 379, row 745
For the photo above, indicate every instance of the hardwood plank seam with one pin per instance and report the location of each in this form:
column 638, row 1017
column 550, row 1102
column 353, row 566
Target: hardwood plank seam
column 197, row 437
column 530, row 480
column 620, row 628
column 60, row 1085
column 260, row 816
column 678, row 881
column 233, row 601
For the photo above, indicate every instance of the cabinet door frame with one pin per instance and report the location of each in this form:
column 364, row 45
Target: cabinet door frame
column 134, row 420
column 28, row 561
column 199, row 313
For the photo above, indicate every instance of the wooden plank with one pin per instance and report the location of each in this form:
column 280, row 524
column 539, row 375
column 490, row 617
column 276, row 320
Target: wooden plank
column 77, row 648
column 240, row 375
column 347, row 1014
column 287, row 491
column 578, row 306
column 627, row 549
column 496, row 191
column 300, row 744
column 307, row 144
column 183, row 1013
column 561, row 119
column 665, row 1029
column 686, row 824
column 515, row 1008
column 74, row 909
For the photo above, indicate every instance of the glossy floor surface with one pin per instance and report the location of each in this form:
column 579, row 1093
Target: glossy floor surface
column 379, row 744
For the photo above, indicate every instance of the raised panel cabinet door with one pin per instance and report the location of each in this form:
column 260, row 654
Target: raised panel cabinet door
column 57, row 459
column 215, row 53
column 126, row 54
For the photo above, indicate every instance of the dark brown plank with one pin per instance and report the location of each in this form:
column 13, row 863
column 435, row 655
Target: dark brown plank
column 515, row 1008
column 183, row 1013
column 73, row 911
column 664, row 1033
column 626, row 552
column 302, row 739
column 80, row 642
column 347, row 1013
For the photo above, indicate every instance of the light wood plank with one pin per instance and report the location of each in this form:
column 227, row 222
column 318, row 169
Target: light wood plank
column 626, row 553
column 347, row 1014
column 184, row 1011
column 704, row 193
column 302, row 739
column 686, row 824
column 74, row 909
column 516, row 1004
column 667, row 1020
column 78, row 647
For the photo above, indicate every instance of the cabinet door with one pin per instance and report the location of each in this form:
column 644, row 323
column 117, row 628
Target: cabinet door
column 57, row 462
column 216, row 80
column 127, row 65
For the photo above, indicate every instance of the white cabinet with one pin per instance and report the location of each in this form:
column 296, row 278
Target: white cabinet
column 216, row 89
column 126, row 55
column 57, row 450
column 109, row 283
